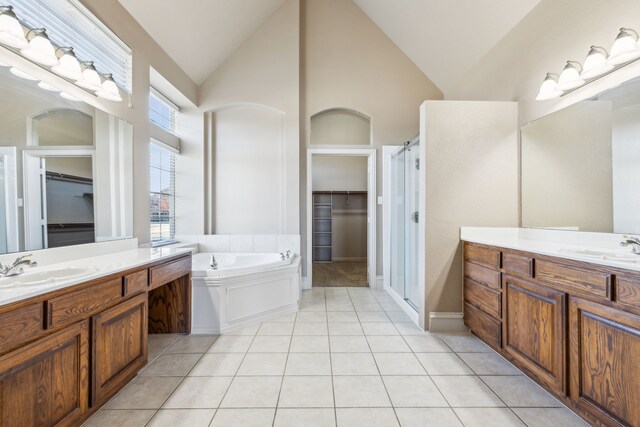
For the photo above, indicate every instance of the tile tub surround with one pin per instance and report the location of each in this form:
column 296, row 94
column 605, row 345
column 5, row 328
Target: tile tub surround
column 551, row 242
column 259, row 243
column 321, row 367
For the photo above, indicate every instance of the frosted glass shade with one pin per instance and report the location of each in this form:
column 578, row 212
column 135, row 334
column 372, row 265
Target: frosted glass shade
column 570, row 76
column 68, row 97
column 48, row 87
column 21, row 74
column 69, row 66
column 109, row 89
column 90, row 78
column 625, row 48
column 11, row 32
column 548, row 89
column 596, row 63
column 40, row 49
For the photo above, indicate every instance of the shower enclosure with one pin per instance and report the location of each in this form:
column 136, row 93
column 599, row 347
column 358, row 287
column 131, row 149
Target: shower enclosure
column 404, row 187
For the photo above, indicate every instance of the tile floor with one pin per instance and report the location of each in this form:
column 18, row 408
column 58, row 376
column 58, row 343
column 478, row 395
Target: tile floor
column 349, row 358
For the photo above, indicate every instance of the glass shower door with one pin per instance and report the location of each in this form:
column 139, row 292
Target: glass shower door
column 405, row 171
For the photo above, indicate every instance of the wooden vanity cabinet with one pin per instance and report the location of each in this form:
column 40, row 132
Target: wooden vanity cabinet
column 573, row 327
column 65, row 353
column 46, row 383
column 119, row 346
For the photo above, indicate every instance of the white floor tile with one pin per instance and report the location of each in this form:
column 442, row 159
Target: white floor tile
column 217, row 364
column 379, row 329
column 443, row 364
column 427, row 417
column 316, row 417
column 360, row 391
column 270, row 344
column 316, row 328
column 263, row 364
column 349, row 344
column 349, row 328
column 413, row 392
column 306, row 392
column 242, row 418
column 488, row 417
column 252, row 392
column 231, row 344
column 387, row 344
column 309, row 344
column 520, row 391
column 399, row 364
column 308, row 364
column 369, row 417
column 198, row 392
column 353, row 364
column 190, row 417
column 466, row 391
column 275, row 328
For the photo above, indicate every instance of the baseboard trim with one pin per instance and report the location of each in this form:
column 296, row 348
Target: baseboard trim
column 446, row 322
column 305, row 283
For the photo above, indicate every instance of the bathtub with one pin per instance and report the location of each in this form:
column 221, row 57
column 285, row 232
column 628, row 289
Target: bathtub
column 245, row 289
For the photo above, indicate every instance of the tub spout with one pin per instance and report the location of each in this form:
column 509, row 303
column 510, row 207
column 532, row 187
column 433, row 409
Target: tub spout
column 213, row 263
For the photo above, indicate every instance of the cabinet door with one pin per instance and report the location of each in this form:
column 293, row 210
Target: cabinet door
column 534, row 328
column 119, row 350
column 605, row 362
column 46, row 383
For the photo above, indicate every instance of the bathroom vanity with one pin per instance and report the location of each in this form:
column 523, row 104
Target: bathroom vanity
column 571, row 324
column 64, row 352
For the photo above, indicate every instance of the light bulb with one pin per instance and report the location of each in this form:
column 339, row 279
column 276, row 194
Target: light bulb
column 90, row 77
column 109, row 89
column 21, row 74
column 48, row 87
column 69, row 66
column 596, row 63
column 40, row 49
column 68, row 97
column 570, row 76
column 625, row 47
column 11, row 31
column 548, row 89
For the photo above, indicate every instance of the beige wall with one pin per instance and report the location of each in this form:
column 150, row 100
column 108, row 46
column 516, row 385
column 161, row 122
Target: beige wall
column 567, row 169
column 263, row 71
column 76, row 166
column 146, row 53
column 471, row 170
column 340, row 127
column 348, row 62
column 339, row 173
column 554, row 32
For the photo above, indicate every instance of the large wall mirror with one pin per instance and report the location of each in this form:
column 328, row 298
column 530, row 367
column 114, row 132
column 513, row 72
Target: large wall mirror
column 65, row 170
column 581, row 165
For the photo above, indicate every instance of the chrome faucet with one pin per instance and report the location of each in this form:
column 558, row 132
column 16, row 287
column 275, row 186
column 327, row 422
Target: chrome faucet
column 282, row 256
column 213, row 263
column 632, row 241
column 17, row 267
column 288, row 254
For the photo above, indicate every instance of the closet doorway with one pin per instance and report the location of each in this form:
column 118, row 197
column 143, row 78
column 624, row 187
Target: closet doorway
column 341, row 223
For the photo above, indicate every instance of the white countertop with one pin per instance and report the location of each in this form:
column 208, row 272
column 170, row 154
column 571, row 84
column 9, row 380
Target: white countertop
column 556, row 243
column 100, row 265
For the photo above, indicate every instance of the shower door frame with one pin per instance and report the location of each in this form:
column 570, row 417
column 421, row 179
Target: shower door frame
column 370, row 154
column 419, row 317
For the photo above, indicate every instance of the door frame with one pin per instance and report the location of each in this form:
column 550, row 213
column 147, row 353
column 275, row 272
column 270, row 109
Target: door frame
column 370, row 154
column 33, row 222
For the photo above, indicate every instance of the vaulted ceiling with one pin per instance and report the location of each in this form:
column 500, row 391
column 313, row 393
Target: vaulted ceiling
column 200, row 34
column 444, row 38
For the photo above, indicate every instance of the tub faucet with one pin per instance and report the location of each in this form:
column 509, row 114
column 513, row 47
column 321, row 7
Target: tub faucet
column 282, row 256
column 17, row 267
column 632, row 241
column 213, row 263
column 288, row 254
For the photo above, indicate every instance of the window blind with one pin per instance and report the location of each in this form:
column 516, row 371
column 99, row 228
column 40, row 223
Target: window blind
column 162, row 112
column 69, row 23
column 162, row 173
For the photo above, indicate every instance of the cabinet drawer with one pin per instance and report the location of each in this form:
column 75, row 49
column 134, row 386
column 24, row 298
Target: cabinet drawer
column 481, row 255
column 574, row 281
column 21, row 325
column 483, row 326
column 165, row 273
column 483, row 275
column 517, row 264
column 80, row 304
column 135, row 282
column 483, row 297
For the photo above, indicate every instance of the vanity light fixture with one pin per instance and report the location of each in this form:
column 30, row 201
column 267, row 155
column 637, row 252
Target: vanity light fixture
column 596, row 63
column 21, row 74
column 90, row 78
column 40, row 49
column 625, row 48
column 109, row 90
column 549, row 88
column 48, row 87
column 570, row 76
column 11, row 32
column 599, row 62
column 69, row 65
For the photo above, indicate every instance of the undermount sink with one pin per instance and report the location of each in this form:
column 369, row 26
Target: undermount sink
column 605, row 255
column 44, row 277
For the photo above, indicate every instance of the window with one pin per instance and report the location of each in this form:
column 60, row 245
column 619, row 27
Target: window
column 69, row 23
column 162, row 173
column 162, row 112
